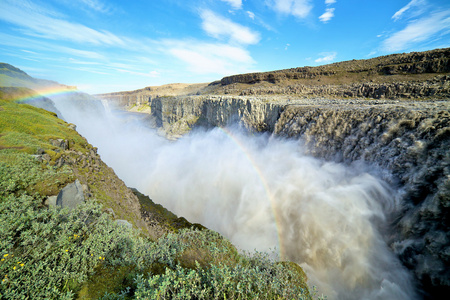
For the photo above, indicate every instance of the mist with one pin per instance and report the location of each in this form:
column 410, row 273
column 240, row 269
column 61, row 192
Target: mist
column 263, row 193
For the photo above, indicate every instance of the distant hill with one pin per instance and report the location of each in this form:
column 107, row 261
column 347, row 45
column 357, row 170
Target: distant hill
column 11, row 76
column 416, row 75
column 434, row 61
column 412, row 75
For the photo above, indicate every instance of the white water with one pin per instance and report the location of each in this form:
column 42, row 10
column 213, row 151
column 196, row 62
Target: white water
column 263, row 193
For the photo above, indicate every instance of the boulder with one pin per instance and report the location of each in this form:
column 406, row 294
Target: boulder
column 61, row 143
column 51, row 201
column 124, row 223
column 71, row 195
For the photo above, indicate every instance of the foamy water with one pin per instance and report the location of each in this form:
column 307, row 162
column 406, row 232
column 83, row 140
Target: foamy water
column 264, row 193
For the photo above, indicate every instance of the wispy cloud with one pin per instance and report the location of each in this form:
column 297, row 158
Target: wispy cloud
column 152, row 74
column 83, row 53
column 209, row 58
column 251, row 15
column 326, row 57
column 96, row 5
column 327, row 15
column 297, row 8
column 420, row 30
column 37, row 23
column 28, row 51
column 220, row 27
column 47, row 47
column 329, row 2
column 417, row 4
column 82, row 62
column 236, row 4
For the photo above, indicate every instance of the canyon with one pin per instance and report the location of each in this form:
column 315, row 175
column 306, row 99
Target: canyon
column 389, row 113
column 344, row 169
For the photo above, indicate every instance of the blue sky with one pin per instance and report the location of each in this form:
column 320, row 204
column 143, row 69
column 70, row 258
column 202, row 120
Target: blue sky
column 105, row 46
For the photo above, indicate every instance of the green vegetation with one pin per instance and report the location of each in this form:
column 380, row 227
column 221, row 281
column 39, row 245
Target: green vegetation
column 53, row 253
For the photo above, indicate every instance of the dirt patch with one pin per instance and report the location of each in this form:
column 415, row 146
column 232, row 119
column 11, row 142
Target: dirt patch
column 4, row 147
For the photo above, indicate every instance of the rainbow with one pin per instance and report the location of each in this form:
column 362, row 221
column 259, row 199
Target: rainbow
column 264, row 183
column 48, row 92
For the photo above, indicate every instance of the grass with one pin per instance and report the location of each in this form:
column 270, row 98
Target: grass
column 31, row 128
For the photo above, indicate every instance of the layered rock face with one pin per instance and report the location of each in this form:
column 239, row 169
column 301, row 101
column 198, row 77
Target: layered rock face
column 438, row 86
column 177, row 115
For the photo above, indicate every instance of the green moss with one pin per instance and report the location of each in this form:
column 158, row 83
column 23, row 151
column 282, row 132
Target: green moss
column 163, row 215
column 107, row 279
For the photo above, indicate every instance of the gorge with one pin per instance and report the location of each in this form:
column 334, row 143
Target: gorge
column 341, row 169
column 390, row 157
column 398, row 142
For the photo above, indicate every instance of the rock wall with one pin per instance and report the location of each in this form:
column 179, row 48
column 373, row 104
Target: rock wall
column 125, row 99
column 252, row 113
column 438, row 87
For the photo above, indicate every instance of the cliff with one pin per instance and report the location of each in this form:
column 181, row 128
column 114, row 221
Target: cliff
column 178, row 115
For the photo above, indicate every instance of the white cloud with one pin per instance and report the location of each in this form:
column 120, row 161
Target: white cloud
column 152, row 74
column 43, row 46
column 81, row 62
column 329, row 2
column 419, row 30
column 251, row 15
column 411, row 4
column 83, row 53
column 220, row 27
column 28, row 51
column 96, row 5
column 37, row 23
column 326, row 57
column 327, row 15
column 208, row 58
column 297, row 8
column 236, row 4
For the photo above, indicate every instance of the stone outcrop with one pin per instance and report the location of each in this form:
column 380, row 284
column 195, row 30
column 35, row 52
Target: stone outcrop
column 70, row 196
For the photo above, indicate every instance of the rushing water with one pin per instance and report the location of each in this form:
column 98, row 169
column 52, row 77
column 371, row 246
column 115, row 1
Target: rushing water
column 264, row 193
